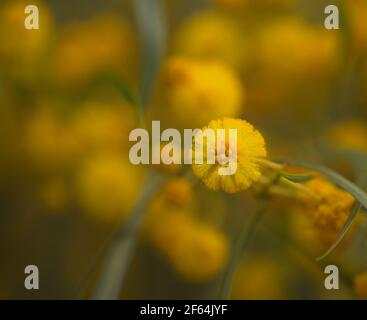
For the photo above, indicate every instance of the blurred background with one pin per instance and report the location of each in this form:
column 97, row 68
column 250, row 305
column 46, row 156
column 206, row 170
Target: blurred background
column 65, row 177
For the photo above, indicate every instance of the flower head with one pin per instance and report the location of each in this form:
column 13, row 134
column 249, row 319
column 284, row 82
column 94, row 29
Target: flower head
column 18, row 44
column 107, row 187
column 330, row 214
column 210, row 35
column 196, row 251
column 198, row 91
column 350, row 134
column 250, row 147
column 200, row 254
column 103, row 44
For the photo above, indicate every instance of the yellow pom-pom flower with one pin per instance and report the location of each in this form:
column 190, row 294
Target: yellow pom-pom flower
column 198, row 91
column 103, row 126
column 200, row 254
column 350, row 134
column 331, row 212
column 287, row 53
column 105, row 44
column 176, row 195
column 250, row 150
column 360, row 286
column 24, row 51
column 49, row 143
column 196, row 252
column 210, row 35
column 107, row 186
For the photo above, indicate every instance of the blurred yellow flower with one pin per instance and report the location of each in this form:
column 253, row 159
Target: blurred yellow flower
column 210, row 35
column 291, row 46
column 105, row 44
column 176, row 195
column 330, row 214
column 197, row 252
column 260, row 278
column 178, row 192
column 198, row 91
column 287, row 54
column 23, row 50
column 48, row 141
column 107, row 187
column 250, row 150
column 360, row 285
column 303, row 231
column 103, row 125
column 200, row 254
column 351, row 134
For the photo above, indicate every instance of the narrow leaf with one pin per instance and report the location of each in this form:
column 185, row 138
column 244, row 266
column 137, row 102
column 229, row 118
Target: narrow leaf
column 343, row 232
column 152, row 32
column 296, row 177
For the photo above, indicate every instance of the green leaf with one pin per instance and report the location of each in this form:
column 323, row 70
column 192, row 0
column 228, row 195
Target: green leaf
column 152, row 32
column 296, row 177
column 120, row 84
column 343, row 232
column 336, row 178
column 122, row 247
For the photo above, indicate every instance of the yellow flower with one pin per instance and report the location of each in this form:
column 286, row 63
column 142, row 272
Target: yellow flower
column 200, row 254
column 360, row 285
column 168, row 227
column 330, row 214
column 87, row 48
column 107, row 187
column 303, row 231
column 176, row 195
column 350, row 134
column 250, row 149
column 210, row 35
column 259, row 279
column 196, row 252
column 103, row 126
column 197, row 91
column 48, row 142
column 297, row 41
column 287, row 53
column 23, row 50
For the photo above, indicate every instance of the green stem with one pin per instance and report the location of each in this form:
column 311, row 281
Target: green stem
column 240, row 245
column 121, row 249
